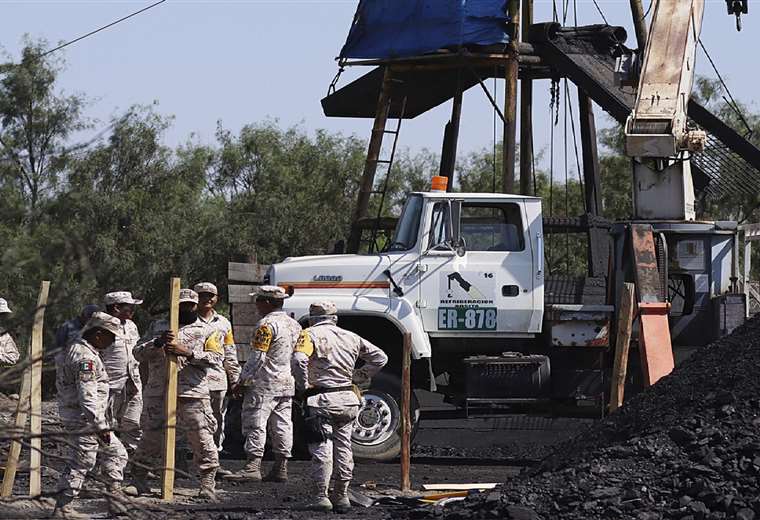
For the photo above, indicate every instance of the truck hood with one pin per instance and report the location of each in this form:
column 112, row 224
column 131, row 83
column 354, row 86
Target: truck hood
column 332, row 271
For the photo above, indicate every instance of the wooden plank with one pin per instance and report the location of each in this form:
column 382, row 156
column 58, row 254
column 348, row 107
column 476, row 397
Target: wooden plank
column 240, row 293
column 458, row 487
column 22, row 411
column 245, row 314
column 170, row 406
column 622, row 346
column 252, row 273
column 406, row 418
column 243, row 352
column 243, row 334
column 35, row 457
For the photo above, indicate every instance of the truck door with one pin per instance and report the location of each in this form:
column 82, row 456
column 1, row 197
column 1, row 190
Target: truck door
column 490, row 288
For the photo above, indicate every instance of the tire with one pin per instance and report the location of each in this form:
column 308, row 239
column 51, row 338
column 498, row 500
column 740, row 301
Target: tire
column 377, row 432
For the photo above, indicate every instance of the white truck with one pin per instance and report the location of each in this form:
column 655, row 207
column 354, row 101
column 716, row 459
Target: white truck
column 464, row 275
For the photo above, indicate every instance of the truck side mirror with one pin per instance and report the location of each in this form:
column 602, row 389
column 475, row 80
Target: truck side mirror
column 681, row 287
column 455, row 214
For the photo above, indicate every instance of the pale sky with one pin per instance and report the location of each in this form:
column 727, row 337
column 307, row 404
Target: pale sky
column 243, row 61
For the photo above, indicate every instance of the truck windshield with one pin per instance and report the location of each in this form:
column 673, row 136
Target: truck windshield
column 408, row 225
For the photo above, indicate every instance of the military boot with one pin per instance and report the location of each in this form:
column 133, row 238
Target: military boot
column 279, row 471
column 139, row 485
column 321, row 502
column 251, row 471
column 339, row 497
column 208, row 485
column 117, row 502
column 64, row 509
column 222, row 473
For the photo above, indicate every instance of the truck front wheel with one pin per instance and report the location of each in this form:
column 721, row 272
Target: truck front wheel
column 377, row 431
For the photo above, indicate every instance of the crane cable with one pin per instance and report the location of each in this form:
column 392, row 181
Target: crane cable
column 103, row 28
column 731, row 102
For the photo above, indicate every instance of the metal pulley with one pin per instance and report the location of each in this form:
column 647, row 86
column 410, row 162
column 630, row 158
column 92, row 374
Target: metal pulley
column 737, row 8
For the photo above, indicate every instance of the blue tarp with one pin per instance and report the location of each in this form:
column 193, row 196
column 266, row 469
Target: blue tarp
column 401, row 28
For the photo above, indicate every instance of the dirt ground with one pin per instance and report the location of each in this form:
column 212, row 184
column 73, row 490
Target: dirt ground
column 445, row 451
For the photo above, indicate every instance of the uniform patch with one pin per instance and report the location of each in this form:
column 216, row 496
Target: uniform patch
column 263, row 339
column 87, row 366
column 213, row 344
column 304, row 344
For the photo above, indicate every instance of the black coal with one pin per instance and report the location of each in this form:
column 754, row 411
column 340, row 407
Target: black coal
column 687, row 448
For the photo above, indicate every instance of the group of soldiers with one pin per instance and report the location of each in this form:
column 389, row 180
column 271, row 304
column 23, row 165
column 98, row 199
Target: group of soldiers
column 111, row 386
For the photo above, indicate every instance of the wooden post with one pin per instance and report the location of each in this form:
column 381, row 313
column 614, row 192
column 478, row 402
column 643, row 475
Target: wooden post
column 35, row 408
column 406, row 418
column 747, row 271
column 170, row 406
column 639, row 24
column 370, row 165
column 22, row 411
column 591, row 174
column 512, row 68
column 622, row 345
column 526, row 112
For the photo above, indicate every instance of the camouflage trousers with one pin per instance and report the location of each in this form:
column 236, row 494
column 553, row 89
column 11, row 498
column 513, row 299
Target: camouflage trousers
column 195, row 421
column 262, row 413
column 219, row 407
column 334, row 451
column 126, row 408
column 82, row 454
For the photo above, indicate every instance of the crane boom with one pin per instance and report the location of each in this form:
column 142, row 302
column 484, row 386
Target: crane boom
column 657, row 125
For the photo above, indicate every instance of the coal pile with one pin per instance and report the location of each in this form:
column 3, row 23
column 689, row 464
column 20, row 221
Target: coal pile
column 687, row 448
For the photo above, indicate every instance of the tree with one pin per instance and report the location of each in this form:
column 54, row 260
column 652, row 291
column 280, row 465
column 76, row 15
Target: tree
column 35, row 125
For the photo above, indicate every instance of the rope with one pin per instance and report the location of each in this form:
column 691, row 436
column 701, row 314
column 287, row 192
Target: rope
column 732, row 103
column 334, row 82
column 575, row 145
column 601, row 13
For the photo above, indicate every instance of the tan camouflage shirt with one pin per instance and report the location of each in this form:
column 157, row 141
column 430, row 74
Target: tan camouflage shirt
column 219, row 376
column 205, row 343
column 326, row 356
column 82, row 384
column 8, row 351
column 119, row 358
column 267, row 371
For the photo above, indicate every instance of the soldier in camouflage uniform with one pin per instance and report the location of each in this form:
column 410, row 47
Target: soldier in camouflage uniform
column 123, row 370
column 65, row 335
column 324, row 367
column 219, row 377
column 8, row 351
column 269, row 386
column 71, row 329
column 197, row 347
column 82, row 383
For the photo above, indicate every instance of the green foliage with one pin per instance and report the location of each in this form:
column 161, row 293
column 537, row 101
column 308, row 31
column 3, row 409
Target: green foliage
column 126, row 212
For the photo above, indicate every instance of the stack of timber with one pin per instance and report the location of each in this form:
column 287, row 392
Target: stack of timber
column 243, row 280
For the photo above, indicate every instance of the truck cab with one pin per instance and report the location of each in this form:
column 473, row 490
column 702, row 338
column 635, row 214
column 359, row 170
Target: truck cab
column 459, row 265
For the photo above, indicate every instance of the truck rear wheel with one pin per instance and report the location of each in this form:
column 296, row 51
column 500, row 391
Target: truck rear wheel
column 377, row 431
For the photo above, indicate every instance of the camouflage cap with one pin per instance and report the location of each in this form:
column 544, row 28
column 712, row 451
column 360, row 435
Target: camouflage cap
column 271, row 292
column 188, row 295
column 113, row 298
column 102, row 320
column 4, row 309
column 207, row 287
column 323, row 308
